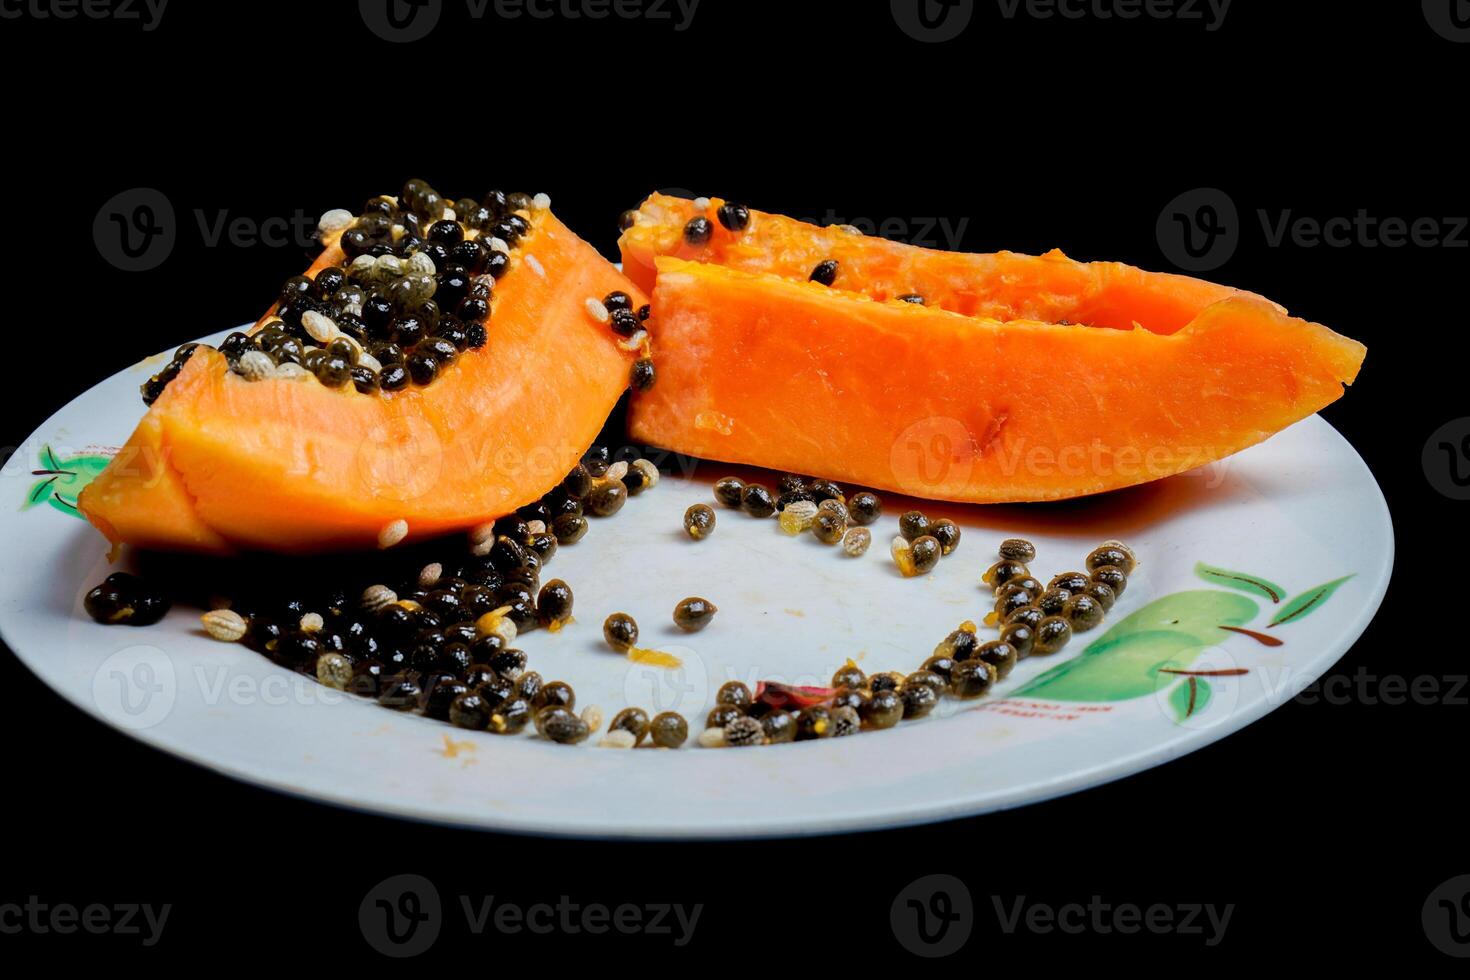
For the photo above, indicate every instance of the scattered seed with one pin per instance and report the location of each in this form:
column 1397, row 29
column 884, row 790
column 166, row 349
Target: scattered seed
column 1018, row 549
column 913, row 525
column 617, row 471
column 592, row 717
column 699, row 521
column 647, row 470
column 856, row 541
column 693, row 614
column 620, row 631
column 669, row 729
column 743, row 731
column 334, row 670
column 392, row 533
column 376, row 597
column 798, row 517
column 541, row 202
column 255, row 365
column 311, row 623
column 224, row 624
column 728, row 491
column 617, row 739
column 825, row 272
column 596, row 310
column 334, row 221
column 712, row 738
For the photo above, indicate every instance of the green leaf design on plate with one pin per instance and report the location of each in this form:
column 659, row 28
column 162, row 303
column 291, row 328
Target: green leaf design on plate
column 1308, row 602
column 1190, row 697
column 63, row 479
column 1254, row 584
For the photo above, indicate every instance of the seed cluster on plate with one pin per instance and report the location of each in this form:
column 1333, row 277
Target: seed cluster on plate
column 415, row 294
column 1041, row 620
column 921, row 542
column 803, row 504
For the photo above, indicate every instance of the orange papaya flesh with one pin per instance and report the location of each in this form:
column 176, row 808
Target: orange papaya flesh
column 220, row 464
column 1050, row 288
column 768, row 370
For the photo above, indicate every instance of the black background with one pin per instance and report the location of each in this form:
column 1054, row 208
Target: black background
column 1327, row 825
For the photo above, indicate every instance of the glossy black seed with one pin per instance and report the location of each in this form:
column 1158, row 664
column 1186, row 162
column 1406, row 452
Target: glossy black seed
column 813, row 722
column 925, row 554
column 668, row 730
column 825, row 272
column 1083, row 612
column 940, row 666
column 864, row 508
column 511, row 717
column 735, row 217
column 441, row 694
column 297, row 288
column 913, row 525
column 529, row 684
column 1052, row 633
column 454, row 286
column 914, row 298
column 509, row 663
column 1004, row 572
column 756, row 500
column 888, row 680
column 948, row 534
column 442, row 348
column 1011, row 600
column 364, row 379
column 624, row 322
column 1071, row 581
column 1103, row 593
column 423, row 367
column 959, row 645
column 734, row 692
column 779, row 727
column 472, row 310
column 729, row 491
column 617, row 300
column 1030, row 616
column 644, row 312
column 607, row 499
column 789, row 497
column 698, row 230
column 971, row 679
column 1000, row 655
column 334, row 372
column 497, row 264
column 471, row 711
column 597, row 459
column 569, row 528
column 883, row 709
column 554, row 602
column 694, row 613
column 1019, row 637
column 554, row 694
column 1115, row 555
column 377, row 311
column 634, row 721
column 642, row 375
column 394, row 377
column 849, row 675
column 470, row 254
column 1113, row 577
column 400, row 693
column 475, row 336
column 722, row 714
column 627, row 219
column 1051, row 601
column 918, row 699
column 1018, row 549
column 561, row 725
column 447, row 233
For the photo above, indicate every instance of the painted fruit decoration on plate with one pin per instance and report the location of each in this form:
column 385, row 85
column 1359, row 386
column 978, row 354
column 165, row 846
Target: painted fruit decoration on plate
column 968, row 377
column 432, row 370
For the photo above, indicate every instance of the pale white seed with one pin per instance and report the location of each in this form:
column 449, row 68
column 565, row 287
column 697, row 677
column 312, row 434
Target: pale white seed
column 619, row 739
column 430, row 574
column 334, row 670
column 224, row 624
column 363, row 265
column 634, row 342
column 535, row 265
column 855, row 542
column 596, row 310
column 497, row 623
column 449, row 215
column 255, row 365
column 541, row 202
column 649, row 471
column 397, row 231
column 376, row 597
column 850, row 229
column 387, row 267
column 354, row 308
column 333, row 221
column 420, row 264
column 290, row 372
column 592, row 717
column 712, row 738
column 392, row 533
column 701, row 204
column 311, row 623
column 319, row 326
column 497, row 245
column 616, row 471
column 364, row 359
column 536, row 527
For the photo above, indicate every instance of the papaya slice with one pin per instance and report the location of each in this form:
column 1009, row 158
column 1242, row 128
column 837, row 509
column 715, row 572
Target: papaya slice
column 223, row 464
column 1018, row 378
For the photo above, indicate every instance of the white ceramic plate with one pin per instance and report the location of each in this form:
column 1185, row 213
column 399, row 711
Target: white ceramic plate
column 1297, row 513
